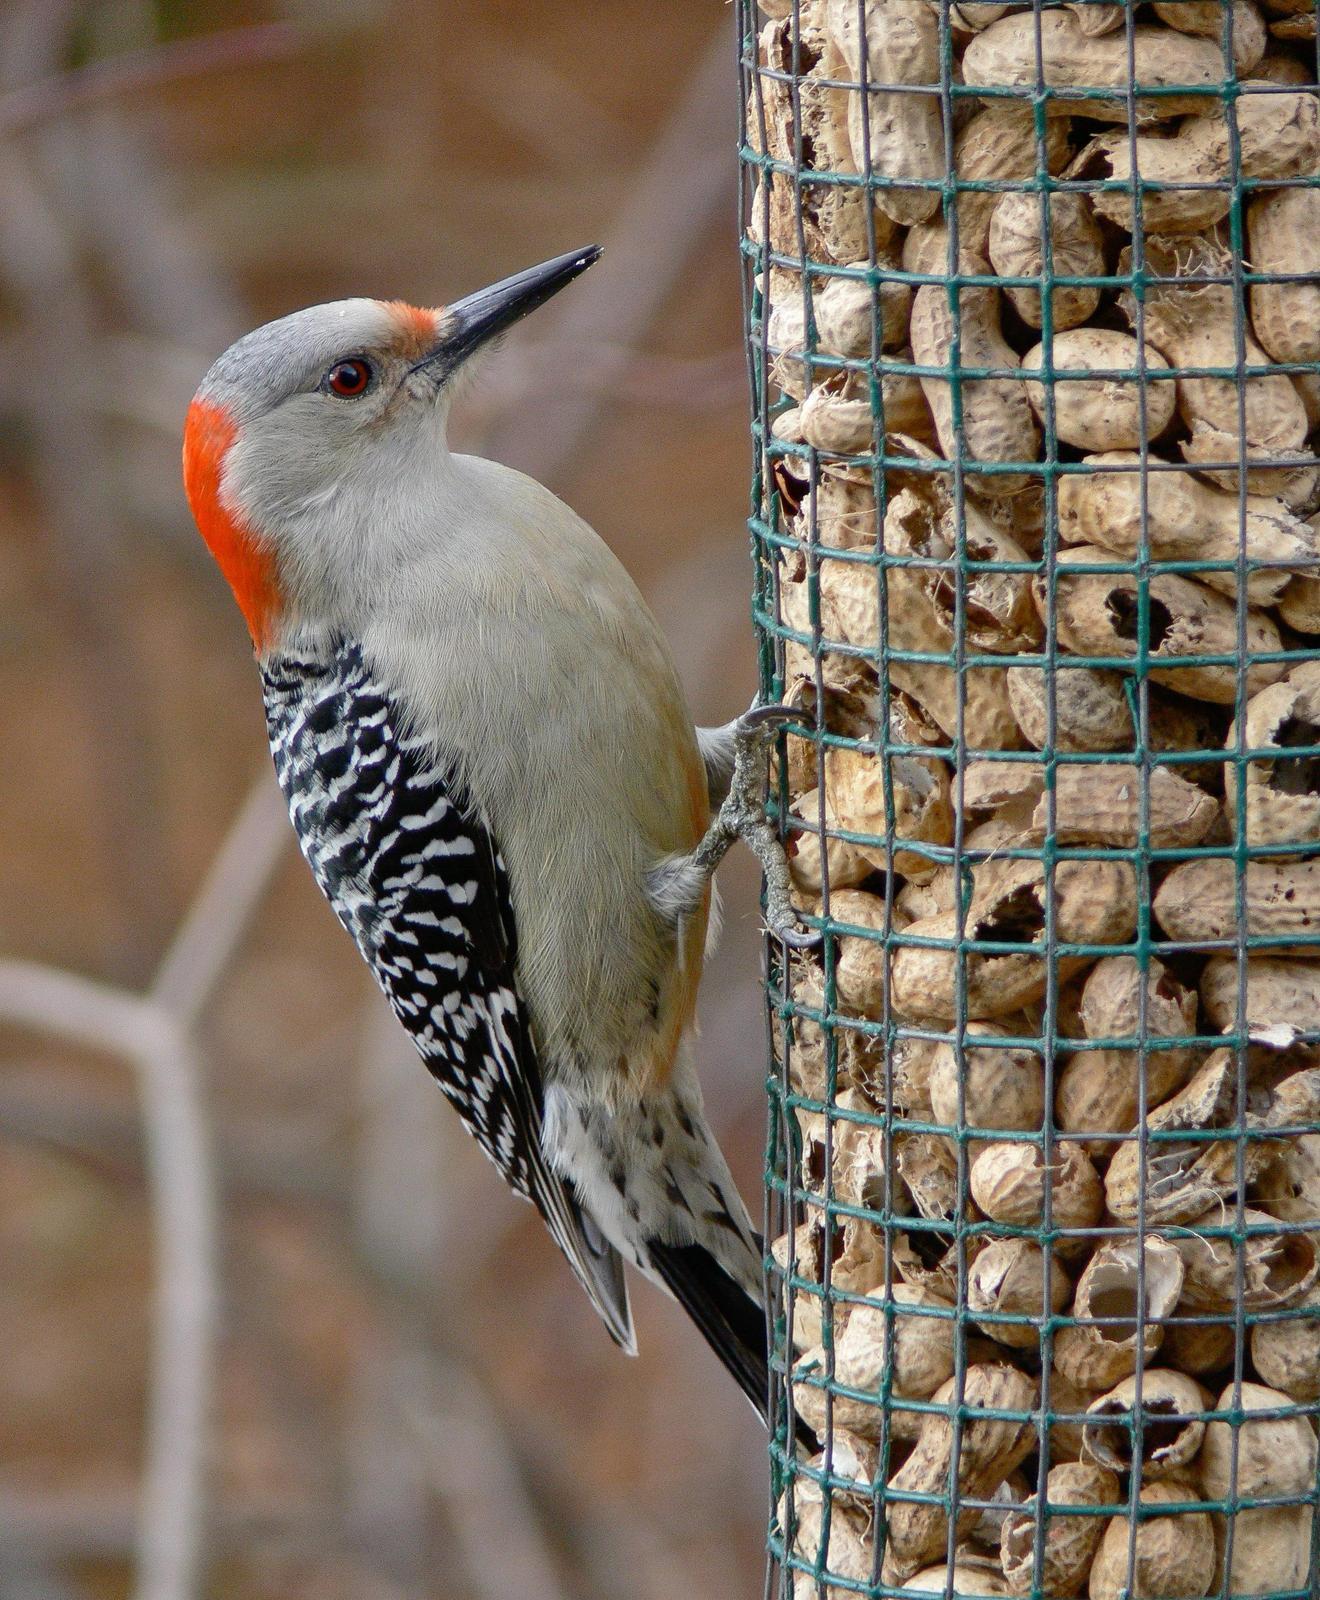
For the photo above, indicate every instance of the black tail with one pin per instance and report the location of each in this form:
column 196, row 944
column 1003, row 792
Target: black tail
column 732, row 1323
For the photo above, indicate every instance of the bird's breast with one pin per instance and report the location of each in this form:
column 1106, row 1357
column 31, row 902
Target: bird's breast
column 553, row 696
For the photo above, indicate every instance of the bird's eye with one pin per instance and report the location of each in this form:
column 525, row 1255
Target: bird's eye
column 348, row 379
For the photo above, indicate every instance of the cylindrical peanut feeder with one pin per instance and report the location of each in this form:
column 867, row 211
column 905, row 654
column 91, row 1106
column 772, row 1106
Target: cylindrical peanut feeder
column 1033, row 315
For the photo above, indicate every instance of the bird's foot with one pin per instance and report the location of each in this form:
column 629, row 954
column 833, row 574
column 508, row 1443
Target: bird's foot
column 743, row 816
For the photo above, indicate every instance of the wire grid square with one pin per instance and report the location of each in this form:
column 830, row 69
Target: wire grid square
column 870, row 1169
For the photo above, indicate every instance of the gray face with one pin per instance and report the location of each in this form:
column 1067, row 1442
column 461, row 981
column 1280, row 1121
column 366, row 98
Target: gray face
column 348, row 360
column 338, row 423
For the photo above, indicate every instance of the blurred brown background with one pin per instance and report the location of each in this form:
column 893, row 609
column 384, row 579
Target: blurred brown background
column 409, row 1396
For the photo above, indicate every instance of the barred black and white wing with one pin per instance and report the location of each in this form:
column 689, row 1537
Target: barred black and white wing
column 418, row 882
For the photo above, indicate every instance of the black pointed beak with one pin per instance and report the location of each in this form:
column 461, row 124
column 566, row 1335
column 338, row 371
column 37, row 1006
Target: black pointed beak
column 477, row 318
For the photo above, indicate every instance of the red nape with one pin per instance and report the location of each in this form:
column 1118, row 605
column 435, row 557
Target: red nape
column 207, row 437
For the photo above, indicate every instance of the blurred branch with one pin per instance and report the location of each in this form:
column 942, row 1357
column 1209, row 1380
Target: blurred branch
column 108, row 168
column 617, row 1534
column 443, row 1406
column 405, row 1132
column 100, row 1525
column 182, row 1187
column 397, row 1216
column 34, row 35
column 110, row 187
column 683, row 183
column 223, row 906
column 25, row 1574
column 459, row 1451
column 254, row 1157
column 136, row 70
column 103, row 180
column 153, row 1034
column 39, row 265
column 539, row 105
column 107, row 173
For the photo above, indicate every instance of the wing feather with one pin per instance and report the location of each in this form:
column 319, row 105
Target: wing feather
column 417, row 879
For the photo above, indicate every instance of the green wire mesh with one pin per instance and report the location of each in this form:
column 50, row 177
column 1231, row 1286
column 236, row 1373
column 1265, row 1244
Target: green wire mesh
column 869, row 1171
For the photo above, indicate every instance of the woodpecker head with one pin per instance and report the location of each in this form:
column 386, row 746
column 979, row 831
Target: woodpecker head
column 310, row 438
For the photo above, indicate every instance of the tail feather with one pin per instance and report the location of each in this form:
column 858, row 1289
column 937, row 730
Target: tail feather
column 646, row 1172
column 732, row 1323
column 601, row 1269
column 730, row 1320
column 592, row 1257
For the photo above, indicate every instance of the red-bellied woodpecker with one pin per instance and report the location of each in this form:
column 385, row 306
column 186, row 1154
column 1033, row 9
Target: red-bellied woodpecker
column 493, row 776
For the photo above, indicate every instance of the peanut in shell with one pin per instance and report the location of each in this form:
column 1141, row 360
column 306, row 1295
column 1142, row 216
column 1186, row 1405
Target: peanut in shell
column 1094, row 903
column 815, row 854
column 1013, row 52
column 1282, row 798
column 965, row 1580
column 1173, row 1558
column 1271, row 1550
column 1263, row 1271
column 1068, row 1543
column 1114, row 1323
column 1260, row 418
column 864, row 790
column 1270, row 1457
column 855, row 1143
column 1286, row 1353
column 1100, row 413
column 896, row 138
column 1125, row 508
column 1197, row 1348
column 1017, row 248
column 846, row 309
column 859, row 971
column 997, row 421
column 990, row 1448
column 1098, row 1091
column 1017, row 1281
column 1205, row 19
column 998, row 144
column 1090, row 707
column 1173, row 1182
column 997, row 1086
column 1101, row 614
column 1278, row 137
column 1103, row 803
column 1283, row 230
column 885, row 1343
column 1009, row 1181
column 1162, row 1409
column 832, row 216
column 1197, row 901
column 841, row 1545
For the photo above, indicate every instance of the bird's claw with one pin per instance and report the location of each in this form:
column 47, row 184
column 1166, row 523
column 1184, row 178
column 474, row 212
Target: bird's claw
column 743, row 816
column 795, row 937
column 766, row 718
